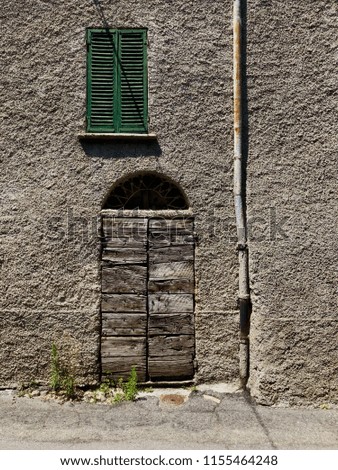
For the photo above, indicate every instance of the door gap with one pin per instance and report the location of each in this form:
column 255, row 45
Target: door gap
column 147, row 302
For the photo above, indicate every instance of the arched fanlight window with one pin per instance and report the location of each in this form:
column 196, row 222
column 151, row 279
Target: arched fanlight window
column 146, row 191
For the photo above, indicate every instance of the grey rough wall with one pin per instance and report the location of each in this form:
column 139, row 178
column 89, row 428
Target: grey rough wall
column 50, row 276
column 292, row 167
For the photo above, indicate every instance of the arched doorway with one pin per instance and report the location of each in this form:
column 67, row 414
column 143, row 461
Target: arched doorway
column 147, row 280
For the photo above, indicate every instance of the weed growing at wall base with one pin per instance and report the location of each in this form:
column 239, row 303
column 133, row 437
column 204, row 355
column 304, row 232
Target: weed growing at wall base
column 62, row 386
column 130, row 387
column 60, row 379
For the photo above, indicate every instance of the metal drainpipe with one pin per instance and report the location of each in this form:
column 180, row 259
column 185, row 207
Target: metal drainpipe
column 243, row 291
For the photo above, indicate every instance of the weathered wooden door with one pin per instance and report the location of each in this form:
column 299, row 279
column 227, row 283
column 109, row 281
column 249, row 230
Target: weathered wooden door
column 148, row 297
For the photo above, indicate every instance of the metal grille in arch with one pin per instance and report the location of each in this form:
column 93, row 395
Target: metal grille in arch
column 146, row 191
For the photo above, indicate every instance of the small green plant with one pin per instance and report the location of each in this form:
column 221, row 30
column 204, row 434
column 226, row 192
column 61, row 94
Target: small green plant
column 21, row 393
column 130, row 387
column 126, row 391
column 60, row 379
column 324, row 406
column 118, row 397
column 68, row 385
column 120, row 383
column 55, row 381
column 104, row 388
column 94, row 396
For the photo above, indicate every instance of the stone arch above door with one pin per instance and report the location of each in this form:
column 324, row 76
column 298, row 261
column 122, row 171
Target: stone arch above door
column 148, row 289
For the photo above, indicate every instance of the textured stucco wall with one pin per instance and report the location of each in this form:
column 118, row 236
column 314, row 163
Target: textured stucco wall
column 50, row 276
column 292, row 168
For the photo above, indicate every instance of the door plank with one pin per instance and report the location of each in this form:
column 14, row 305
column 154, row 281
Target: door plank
column 166, row 225
column 117, row 367
column 175, row 323
column 172, row 270
column 163, row 345
column 171, row 253
column 170, row 368
column 170, row 303
column 122, row 346
column 124, row 279
column 127, row 242
column 124, row 324
column 124, row 255
column 124, row 303
column 157, row 239
column 185, row 286
column 117, row 227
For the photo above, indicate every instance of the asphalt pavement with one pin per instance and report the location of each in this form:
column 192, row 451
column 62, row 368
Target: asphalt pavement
column 164, row 419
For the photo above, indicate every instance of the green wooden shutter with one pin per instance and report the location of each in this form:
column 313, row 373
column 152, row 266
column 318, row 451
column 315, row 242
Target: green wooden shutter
column 101, row 81
column 133, row 112
column 117, row 88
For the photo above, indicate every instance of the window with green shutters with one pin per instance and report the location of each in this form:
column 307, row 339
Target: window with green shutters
column 117, row 87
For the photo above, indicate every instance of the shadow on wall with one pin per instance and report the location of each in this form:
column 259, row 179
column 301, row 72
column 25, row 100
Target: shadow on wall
column 121, row 149
column 101, row 13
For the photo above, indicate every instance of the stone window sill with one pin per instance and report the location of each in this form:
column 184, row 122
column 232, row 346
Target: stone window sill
column 111, row 136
